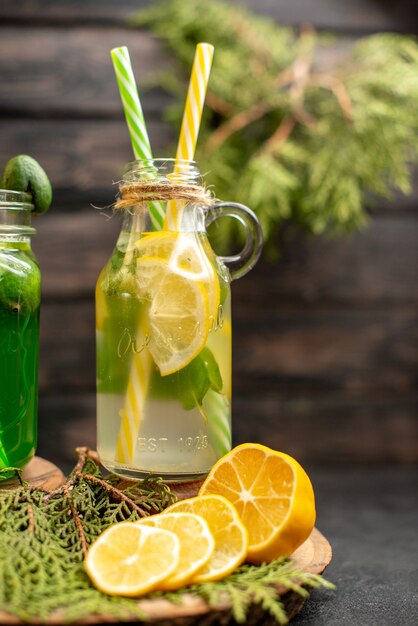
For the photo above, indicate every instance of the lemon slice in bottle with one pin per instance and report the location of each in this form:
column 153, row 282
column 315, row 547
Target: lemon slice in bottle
column 178, row 313
column 184, row 252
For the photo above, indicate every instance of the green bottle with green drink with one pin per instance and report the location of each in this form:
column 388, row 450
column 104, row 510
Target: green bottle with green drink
column 24, row 191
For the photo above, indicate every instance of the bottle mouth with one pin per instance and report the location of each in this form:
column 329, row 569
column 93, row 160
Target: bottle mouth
column 15, row 215
column 15, row 200
column 165, row 170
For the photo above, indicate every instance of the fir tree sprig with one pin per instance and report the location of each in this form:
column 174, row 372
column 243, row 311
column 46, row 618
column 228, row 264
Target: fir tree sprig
column 254, row 584
column 44, row 537
column 298, row 125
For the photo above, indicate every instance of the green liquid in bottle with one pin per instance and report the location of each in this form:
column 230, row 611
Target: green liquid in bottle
column 19, row 346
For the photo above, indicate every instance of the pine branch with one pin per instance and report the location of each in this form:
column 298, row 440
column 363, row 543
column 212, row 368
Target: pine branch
column 44, row 538
column 299, row 134
column 116, row 493
column 254, row 584
column 77, row 521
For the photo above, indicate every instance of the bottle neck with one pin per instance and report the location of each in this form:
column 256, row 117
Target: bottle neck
column 151, row 188
column 15, row 216
column 165, row 171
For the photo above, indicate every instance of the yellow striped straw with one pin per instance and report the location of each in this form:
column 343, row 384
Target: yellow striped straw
column 131, row 414
column 191, row 120
column 133, row 407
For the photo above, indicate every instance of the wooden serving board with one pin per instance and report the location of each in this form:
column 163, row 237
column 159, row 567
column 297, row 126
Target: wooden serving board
column 40, row 473
column 313, row 557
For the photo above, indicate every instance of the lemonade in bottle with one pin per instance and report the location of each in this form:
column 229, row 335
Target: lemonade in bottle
column 163, row 322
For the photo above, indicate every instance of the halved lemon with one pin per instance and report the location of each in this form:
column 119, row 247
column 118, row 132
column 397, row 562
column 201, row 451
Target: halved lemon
column 129, row 559
column 178, row 316
column 272, row 494
column 196, row 544
column 229, row 533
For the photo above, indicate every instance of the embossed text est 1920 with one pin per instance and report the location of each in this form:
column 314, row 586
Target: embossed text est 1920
column 192, row 443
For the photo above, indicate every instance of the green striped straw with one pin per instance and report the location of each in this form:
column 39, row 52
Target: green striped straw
column 135, row 119
column 216, row 409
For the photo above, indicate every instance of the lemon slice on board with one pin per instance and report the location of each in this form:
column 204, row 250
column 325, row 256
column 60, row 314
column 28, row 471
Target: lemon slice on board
column 272, row 494
column 229, row 533
column 196, row 544
column 130, row 559
column 178, row 317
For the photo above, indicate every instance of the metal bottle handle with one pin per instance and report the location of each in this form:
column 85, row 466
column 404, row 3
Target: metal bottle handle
column 241, row 263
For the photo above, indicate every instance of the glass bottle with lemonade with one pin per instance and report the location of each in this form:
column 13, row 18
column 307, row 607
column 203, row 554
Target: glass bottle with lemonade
column 164, row 328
